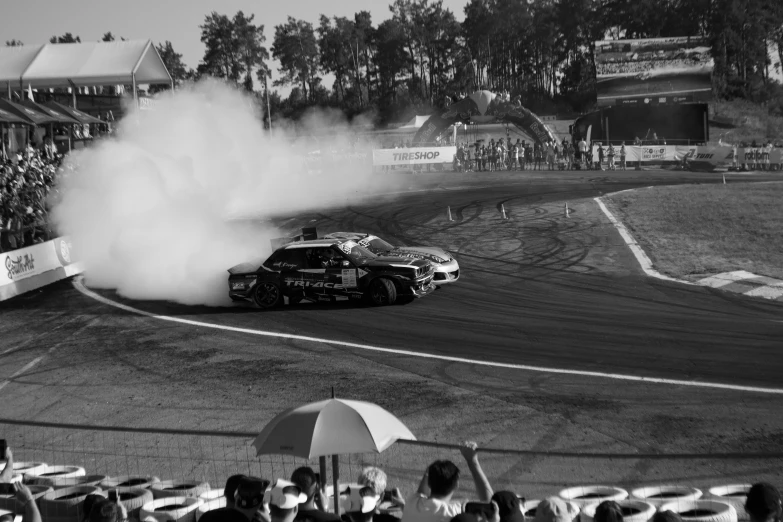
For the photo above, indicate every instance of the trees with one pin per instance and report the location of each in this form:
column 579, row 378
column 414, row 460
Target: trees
column 66, row 38
column 174, row 64
column 296, row 47
column 14, row 43
column 234, row 48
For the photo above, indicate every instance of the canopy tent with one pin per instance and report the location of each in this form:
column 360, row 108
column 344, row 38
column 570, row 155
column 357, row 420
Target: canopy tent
column 415, row 123
column 9, row 117
column 76, row 114
column 82, row 64
column 15, row 60
column 61, row 118
column 30, row 116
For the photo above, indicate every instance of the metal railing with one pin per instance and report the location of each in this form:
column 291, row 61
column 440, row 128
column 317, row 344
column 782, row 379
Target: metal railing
column 212, row 456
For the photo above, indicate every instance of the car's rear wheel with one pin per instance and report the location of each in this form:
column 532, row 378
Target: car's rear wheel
column 267, row 295
column 381, row 292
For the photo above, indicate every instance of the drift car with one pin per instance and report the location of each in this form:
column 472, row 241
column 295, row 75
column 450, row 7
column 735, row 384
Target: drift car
column 446, row 267
column 330, row 270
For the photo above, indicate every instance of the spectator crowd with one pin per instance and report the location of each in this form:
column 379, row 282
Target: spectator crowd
column 302, row 497
column 26, row 181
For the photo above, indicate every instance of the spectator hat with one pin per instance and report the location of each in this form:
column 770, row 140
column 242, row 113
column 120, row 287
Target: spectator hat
column 763, row 500
column 508, row 506
column 250, row 492
column 553, row 509
column 363, row 499
column 285, row 495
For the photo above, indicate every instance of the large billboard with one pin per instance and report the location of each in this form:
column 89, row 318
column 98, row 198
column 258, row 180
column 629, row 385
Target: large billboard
column 653, row 71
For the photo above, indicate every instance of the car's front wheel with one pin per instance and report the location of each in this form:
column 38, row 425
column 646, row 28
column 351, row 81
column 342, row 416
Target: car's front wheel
column 267, row 295
column 381, row 292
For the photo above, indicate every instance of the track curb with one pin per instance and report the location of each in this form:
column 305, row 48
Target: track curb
column 739, row 281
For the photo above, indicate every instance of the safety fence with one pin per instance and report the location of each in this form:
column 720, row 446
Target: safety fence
column 212, row 456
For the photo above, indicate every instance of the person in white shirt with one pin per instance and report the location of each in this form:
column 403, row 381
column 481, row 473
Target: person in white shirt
column 433, row 502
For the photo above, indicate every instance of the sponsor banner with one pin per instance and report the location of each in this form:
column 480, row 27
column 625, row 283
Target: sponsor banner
column 36, row 266
column 714, row 155
column 413, row 156
column 27, row 262
column 758, row 155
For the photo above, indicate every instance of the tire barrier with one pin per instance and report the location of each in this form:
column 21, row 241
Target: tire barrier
column 212, row 494
column 171, row 508
column 134, row 499
column 702, row 510
column 529, row 507
column 659, row 495
column 178, row 488
column 633, row 511
column 733, row 494
column 62, row 482
column 66, row 502
column 210, row 505
column 27, row 468
column 584, row 495
column 9, row 502
column 128, row 482
column 56, row 471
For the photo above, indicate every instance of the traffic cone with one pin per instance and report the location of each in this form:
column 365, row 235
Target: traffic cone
column 566, row 210
column 448, row 211
column 503, row 211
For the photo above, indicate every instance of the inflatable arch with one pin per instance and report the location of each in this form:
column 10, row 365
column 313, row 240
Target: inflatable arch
column 483, row 107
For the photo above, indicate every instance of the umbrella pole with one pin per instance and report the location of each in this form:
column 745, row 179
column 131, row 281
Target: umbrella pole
column 335, row 483
column 322, row 471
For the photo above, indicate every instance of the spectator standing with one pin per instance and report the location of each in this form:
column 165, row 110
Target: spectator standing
column 583, row 153
column 608, row 511
column 246, row 504
column 553, row 509
column 509, row 508
column 537, row 156
column 610, row 153
column 284, row 499
column 313, row 509
column 763, row 503
column 433, row 502
column 622, row 155
column 600, row 151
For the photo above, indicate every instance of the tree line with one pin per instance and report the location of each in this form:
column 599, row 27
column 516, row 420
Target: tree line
column 421, row 57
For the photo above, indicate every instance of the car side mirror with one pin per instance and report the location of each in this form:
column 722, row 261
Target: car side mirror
column 346, row 264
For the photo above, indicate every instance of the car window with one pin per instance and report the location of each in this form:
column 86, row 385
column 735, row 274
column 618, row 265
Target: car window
column 376, row 243
column 293, row 259
column 355, row 251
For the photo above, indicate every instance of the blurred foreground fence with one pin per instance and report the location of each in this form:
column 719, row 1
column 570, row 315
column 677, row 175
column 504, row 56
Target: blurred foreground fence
column 212, row 456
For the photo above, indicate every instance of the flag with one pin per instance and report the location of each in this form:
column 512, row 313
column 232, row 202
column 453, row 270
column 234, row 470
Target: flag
column 30, row 92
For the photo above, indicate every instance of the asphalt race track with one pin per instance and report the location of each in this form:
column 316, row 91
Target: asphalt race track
column 538, row 289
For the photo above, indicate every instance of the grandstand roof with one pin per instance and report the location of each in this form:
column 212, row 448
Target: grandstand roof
column 83, row 64
column 76, row 114
column 61, row 118
column 27, row 114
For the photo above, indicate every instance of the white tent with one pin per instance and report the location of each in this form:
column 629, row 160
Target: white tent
column 416, row 122
column 82, row 64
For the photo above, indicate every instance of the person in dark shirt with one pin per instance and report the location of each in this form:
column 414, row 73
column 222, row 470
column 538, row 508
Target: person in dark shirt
column 246, row 503
column 314, row 508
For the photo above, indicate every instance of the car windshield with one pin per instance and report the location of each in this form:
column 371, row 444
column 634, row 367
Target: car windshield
column 355, row 251
column 376, row 243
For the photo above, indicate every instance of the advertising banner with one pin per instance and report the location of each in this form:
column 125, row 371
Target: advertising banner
column 35, row 266
column 653, row 70
column 701, row 156
column 413, row 156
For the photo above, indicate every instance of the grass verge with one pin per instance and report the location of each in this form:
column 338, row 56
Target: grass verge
column 694, row 231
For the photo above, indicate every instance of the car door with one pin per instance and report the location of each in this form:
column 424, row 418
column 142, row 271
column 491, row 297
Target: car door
column 290, row 263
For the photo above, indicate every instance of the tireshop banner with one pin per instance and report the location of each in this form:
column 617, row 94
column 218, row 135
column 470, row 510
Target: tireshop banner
column 413, row 156
column 35, row 266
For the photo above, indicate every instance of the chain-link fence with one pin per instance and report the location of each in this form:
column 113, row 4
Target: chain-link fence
column 213, row 456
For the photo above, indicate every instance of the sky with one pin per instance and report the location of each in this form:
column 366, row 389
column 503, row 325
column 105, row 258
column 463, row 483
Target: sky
column 35, row 21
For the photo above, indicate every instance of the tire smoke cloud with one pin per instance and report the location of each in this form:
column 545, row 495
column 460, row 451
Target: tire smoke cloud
column 151, row 210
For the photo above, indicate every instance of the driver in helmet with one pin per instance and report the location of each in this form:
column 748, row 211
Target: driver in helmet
column 329, row 258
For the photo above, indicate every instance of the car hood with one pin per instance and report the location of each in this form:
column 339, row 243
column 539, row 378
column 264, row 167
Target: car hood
column 432, row 254
column 385, row 261
column 246, row 268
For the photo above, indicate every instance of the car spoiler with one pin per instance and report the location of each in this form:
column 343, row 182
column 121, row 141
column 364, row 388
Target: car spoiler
column 307, row 234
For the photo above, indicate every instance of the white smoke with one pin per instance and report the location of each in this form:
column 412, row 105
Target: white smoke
column 149, row 211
